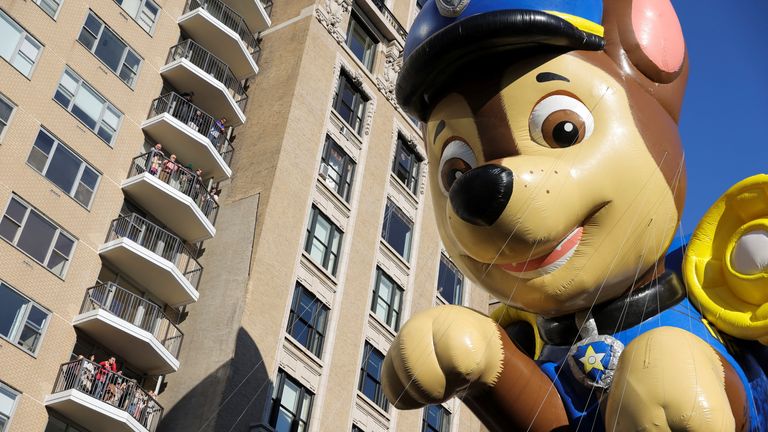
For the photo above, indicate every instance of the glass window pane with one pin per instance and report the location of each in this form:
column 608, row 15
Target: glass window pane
column 12, row 305
column 110, row 49
column 37, row 316
column 89, row 177
column 16, row 210
column 88, row 106
column 10, row 33
column 69, row 82
column 64, row 245
column 148, row 15
column 83, row 195
column 5, row 112
column 49, row 6
column 29, row 338
column 63, row 168
column 36, row 236
column 130, row 6
column 7, row 398
column 86, row 38
column 8, row 228
column 112, row 117
column 57, row 263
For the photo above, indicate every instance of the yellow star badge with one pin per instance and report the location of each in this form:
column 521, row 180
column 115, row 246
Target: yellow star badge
column 592, row 360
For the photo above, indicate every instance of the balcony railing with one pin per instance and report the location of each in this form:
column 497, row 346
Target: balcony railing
column 212, row 65
column 267, row 6
column 111, row 388
column 159, row 241
column 171, row 172
column 194, row 117
column 390, row 17
column 229, row 18
column 137, row 311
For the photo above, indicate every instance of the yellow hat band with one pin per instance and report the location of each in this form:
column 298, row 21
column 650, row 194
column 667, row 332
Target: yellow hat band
column 580, row 23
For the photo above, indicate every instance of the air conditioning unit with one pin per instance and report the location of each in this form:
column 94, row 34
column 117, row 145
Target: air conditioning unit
column 323, row 170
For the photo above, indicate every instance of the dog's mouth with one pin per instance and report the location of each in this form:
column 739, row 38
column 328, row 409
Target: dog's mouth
column 548, row 262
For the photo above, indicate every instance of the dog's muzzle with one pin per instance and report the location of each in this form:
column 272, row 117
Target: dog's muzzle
column 481, row 194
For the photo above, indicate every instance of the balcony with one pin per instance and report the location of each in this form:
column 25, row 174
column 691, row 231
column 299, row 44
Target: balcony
column 191, row 67
column 154, row 258
column 188, row 131
column 176, row 196
column 221, row 30
column 101, row 400
column 384, row 19
column 255, row 12
column 131, row 327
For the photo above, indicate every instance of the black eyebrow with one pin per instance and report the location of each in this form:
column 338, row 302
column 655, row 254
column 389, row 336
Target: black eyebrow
column 550, row 76
column 439, row 128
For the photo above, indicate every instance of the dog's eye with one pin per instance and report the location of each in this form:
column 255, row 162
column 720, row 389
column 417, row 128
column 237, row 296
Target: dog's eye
column 457, row 159
column 560, row 121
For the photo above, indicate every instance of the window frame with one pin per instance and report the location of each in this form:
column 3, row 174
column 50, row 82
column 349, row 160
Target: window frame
column 459, row 276
column 24, row 36
column 315, row 212
column 316, row 338
column 390, row 210
column 80, row 171
column 106, row 104
column 277, row 396
column 360, row 98
column 8, row 418
column 395, row 297
column 23, row 322
column 58, row 8
column 412, row 181
column 379, row 399
column 142, row 4
column 357, row 21
column 444, row 420
column 4, row 124
column 126, row 51
column 51, row 248
column 347, row 174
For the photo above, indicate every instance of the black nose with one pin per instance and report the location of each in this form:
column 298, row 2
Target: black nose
column 481, row 194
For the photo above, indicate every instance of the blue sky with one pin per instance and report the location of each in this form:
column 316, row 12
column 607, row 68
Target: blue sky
column 725, row 110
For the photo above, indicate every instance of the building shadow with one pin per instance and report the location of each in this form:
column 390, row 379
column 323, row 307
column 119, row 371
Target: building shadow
column 231, row 398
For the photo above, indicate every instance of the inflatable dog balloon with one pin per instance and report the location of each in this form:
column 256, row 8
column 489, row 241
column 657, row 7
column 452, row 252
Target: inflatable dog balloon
column 558, row 181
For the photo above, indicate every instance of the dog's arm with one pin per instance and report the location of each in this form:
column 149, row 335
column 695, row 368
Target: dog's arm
column 454, row 351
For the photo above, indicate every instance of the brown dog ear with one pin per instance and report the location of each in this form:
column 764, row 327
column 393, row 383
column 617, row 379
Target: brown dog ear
column 644, row 39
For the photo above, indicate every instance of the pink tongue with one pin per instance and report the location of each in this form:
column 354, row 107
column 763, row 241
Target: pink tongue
column 560, row 251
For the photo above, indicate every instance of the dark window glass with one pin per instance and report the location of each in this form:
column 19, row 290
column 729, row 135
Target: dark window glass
column 307, row 320
column 370, row 376
column 109, row 48
column 323, row 240
column 436, row 419
column 397, row 230
column 360, row 41
column 291, row 405
column 21, row 321
column 387, row 299
column 8, row 397
column 77, row 97
column 350, row 103
column 450, row 282
column 56, row 425
column 337, row 168
column 406, row 165
column 6, row 109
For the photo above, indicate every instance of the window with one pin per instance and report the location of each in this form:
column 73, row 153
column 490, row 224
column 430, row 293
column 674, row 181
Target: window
column 110, row 49
column 323, row 240
column 291, row 405
column 397, row 230
column 6, row 109
column 406, row 165
column 337, row 168
column 8, row 397
column 307, row 320
column 56, row 425
column 145, row 12
column 33, row 233
column 350, row 103
column 77, row 97
column 356, row 428
column 450, row 282
column 65, row 169
column 370, row 376
column 361, row 41
column 436, row 419
column 387, row 300
column 51, row 7
column 22, row 321
column 16, row 45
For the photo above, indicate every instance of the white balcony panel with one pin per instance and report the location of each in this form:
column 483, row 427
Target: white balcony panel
column 158, row 275
column 189, row 145
column 221, row 40
column 92, row 413
column 210, row 94
column 253, row 13
column 137, row 346
column 173, row 208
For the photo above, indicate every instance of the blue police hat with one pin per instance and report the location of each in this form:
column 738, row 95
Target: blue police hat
column 448, row 34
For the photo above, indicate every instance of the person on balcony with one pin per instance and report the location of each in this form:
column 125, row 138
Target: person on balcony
column 103, row 375
column 168, row 173
column 87, row 374
column 155, row 159
column 216, row 133
column 152, row 409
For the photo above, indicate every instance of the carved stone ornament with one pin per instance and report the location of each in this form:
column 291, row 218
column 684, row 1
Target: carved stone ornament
column 331, row 13
column 393, row 62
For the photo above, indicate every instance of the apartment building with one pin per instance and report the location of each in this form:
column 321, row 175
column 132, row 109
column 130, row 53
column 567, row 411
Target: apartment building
column 116, row 127
column 259, row 294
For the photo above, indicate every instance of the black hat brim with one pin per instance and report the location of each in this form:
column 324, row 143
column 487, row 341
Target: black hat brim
column 432, row 64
